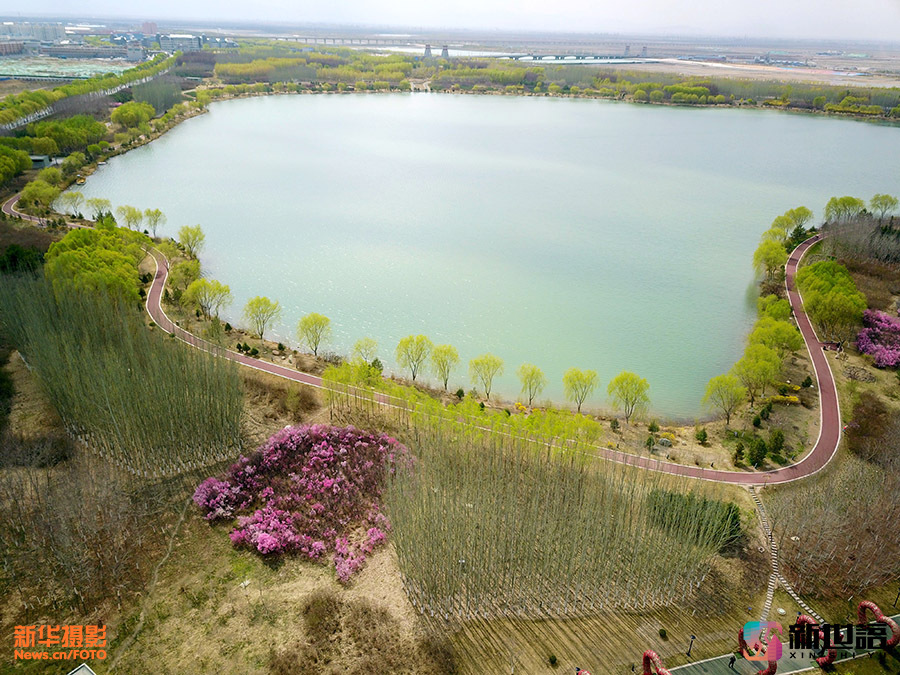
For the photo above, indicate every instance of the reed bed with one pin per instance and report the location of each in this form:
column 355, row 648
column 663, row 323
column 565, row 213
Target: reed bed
column 496, row 519
column 131, row 395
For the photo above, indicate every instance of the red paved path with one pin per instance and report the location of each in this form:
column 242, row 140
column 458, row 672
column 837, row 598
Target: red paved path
column 818, row 457
column 9, row 208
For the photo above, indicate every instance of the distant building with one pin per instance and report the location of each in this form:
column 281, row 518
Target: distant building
column 180, row 43
column 83, row 52
column 8, row 48
column 427, row 51
column 220, row 42
column 45, row 32
column 445, row 54
column 134, row 51
column 149, row 28
column 40, row 161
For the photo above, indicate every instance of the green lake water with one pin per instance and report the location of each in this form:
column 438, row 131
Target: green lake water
column 553, row 231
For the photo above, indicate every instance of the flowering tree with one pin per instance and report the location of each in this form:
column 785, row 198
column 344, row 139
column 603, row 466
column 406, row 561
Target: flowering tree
column 880, row 337
column 309, row 490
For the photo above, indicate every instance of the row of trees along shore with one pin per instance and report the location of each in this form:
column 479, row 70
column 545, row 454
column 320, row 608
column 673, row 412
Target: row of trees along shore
column 82, row 141
column 263, row 66
column 414, row 353
column 830, row 299
column 772, row 339
column 14, row 107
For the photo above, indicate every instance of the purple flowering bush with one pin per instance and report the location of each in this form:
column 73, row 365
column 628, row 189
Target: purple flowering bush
column 309, row 490
column 880, row 337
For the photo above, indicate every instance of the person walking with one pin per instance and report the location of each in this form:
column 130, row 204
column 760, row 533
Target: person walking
column 731, row 661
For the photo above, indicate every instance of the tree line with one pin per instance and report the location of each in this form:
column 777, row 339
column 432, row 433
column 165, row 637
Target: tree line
column 830, row 299
column 328, row 68
column 16, row 106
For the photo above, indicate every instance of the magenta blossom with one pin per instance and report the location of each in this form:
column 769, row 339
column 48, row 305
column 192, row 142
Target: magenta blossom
column 880, row 338
column 308, row 490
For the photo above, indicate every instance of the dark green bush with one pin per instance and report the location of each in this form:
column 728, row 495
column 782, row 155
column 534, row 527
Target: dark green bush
column 693, row 515
column 776, row 441
column 758, row 451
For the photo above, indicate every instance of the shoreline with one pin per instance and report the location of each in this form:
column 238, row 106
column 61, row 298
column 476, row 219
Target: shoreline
column 878, row 119
column 809, row 462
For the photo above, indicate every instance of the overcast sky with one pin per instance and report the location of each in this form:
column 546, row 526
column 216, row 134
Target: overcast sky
column 848, row 19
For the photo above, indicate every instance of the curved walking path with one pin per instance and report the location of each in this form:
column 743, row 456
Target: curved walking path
column 9, row 208
column 829, row 412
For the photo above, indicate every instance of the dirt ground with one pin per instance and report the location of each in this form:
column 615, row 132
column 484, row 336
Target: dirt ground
column 217, row 609
column 31, row 416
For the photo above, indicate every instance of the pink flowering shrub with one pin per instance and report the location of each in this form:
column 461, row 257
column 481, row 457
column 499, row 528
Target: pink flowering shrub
column 308, row 490
column 880, row 338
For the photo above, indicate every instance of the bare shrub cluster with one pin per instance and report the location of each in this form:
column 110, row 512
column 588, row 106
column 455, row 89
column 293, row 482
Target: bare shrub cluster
column 866, row 238
column 287, row 399
column 838, row 530
column 73, row 529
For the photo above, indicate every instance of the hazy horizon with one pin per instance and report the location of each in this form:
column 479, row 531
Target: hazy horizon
column 865, row 20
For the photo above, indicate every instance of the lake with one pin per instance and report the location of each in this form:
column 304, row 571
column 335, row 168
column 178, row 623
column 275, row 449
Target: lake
column 553, row 231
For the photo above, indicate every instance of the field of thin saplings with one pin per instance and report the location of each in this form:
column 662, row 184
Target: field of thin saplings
column 488, row 523
column 119, row 387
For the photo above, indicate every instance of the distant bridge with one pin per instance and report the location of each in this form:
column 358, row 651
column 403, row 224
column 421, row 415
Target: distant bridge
column 374, row 41
column 619, row 58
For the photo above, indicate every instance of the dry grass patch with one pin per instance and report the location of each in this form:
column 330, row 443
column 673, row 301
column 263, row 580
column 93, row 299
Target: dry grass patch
column 272, row 403
column 31, row 415
column 201, row 618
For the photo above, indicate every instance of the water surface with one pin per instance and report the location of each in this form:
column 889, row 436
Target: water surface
column 554, row 231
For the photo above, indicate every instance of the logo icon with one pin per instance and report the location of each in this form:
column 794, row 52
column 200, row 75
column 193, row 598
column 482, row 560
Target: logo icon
column 762, row 641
